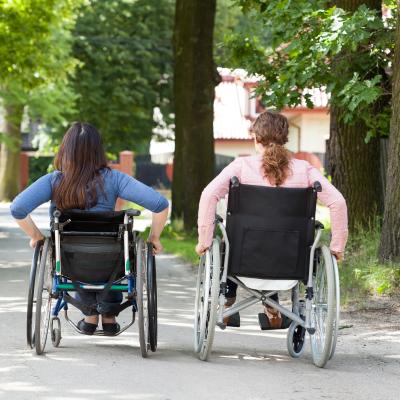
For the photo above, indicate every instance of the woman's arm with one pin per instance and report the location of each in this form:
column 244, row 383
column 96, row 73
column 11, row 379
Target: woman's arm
column 30, row 228
column 32, row 197
column 334, row 200
column 214, row 191
column 157, row 226
column 130, row 189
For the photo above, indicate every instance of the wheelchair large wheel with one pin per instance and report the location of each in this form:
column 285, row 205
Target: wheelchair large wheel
column 142, row 297
column 208, row 284
column 32, row 294
column 323, row 313
column 152, row 297
column 44, row 298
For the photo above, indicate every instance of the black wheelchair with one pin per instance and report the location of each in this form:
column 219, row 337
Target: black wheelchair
column 270, row 244
column 91, row 251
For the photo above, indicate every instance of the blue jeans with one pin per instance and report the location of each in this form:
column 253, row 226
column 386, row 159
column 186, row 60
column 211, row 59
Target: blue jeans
column 106, row 306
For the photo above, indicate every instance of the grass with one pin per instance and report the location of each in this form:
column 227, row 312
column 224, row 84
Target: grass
column 361, row 274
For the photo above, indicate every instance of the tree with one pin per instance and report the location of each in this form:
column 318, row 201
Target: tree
column 354, row 164
column 344, row 51
column 390, row 236
column 125, row 50
column 34, row 64
column 195, row 78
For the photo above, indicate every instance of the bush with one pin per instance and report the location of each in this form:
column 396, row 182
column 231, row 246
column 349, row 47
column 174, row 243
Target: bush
column 362, row 274
column 39, row 166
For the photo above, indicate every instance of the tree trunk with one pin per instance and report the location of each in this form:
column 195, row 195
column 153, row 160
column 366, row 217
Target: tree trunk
column 389, row 248
column 354, row 165
column 10, row 152
column 194, row 85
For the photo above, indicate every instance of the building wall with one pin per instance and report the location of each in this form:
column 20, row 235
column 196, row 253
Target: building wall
column 234, row 148
column 314, row 132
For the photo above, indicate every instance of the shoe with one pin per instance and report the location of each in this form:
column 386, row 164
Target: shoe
column 233, row 320
column 111, row 329
column 86, row 327
column 272, row 319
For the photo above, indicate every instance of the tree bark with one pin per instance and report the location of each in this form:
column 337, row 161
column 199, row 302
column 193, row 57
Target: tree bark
column 354, row 165
column 194, row 86
column 10, row 152
column 389, row 249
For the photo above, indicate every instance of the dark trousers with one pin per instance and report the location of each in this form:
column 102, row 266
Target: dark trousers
column 104, row 305
column 232, row 287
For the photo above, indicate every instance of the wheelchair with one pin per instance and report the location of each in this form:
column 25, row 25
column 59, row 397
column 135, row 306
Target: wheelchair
column 270, row 244
column 91, row 251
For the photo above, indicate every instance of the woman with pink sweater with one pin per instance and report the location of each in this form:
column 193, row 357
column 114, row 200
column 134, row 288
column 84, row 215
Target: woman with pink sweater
column 272, row 166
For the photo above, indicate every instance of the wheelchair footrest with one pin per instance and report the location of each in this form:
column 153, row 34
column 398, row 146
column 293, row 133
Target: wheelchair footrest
column 265, row 324
column 233, row 320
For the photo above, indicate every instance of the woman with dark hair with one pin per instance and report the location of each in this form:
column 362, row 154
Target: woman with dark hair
column 82, row 180
column 273, row 166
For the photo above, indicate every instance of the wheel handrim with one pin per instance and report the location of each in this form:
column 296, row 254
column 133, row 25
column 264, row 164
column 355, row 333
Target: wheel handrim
column 323, row 313
column 320, row 307
column 44, row 298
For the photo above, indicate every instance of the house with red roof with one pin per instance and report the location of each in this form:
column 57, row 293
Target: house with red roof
column 236, row 107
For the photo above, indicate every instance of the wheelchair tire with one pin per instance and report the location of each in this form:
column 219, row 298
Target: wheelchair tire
column 44, row 298
column 296, row 340
column 32, row 293
column 337, row 307
column 142, row 297
column 55, row 332
column 152, row 297
column 208, row 285
column 323, row 313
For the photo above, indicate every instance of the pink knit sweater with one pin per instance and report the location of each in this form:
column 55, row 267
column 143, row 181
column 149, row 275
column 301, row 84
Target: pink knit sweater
column 248, row 170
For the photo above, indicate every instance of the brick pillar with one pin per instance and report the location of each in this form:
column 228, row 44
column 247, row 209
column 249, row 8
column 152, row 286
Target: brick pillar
column 24, row 170
column 126, row 162
column 125, row 166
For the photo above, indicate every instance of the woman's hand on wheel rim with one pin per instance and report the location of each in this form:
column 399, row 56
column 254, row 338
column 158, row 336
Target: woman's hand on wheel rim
column 157, row 246
column 200, row 249
column 34, row 241
column 339, row 255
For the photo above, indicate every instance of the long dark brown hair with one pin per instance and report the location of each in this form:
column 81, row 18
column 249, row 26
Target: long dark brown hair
column 80, row 158
column 271, row 130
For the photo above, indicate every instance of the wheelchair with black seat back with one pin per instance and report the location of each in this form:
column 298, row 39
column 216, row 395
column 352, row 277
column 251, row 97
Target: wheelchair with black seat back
column 270, row 244
column 91, row 251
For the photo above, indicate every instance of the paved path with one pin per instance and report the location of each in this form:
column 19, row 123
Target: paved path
column 246, row 364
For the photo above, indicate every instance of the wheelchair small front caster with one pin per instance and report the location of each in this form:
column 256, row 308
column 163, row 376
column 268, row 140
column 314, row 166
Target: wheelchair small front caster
column 55, row 332
column 295, row 340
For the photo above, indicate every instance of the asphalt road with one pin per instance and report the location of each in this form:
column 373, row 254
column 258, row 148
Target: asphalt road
column 246, row 363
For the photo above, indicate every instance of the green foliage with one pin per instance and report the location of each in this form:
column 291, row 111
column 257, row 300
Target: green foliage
column 361, row 274
column 125, row 50
column 313, row 44
column 39, row 166
column 231, row 19
column 35, row 57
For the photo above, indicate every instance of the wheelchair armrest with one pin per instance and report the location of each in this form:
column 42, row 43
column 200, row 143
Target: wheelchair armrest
column 218, row 218
column 317, row 186
column 319, row 225
column 131, row 212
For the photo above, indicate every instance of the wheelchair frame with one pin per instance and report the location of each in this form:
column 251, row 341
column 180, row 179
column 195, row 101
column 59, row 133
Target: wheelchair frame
column 140, row 277
column 303, row 316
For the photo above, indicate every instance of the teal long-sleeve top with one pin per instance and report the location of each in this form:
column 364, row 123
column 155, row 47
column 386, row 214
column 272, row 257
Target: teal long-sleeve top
column 116, row 184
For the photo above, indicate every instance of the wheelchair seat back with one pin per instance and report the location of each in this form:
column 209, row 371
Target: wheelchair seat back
column 92, row 245
column 270, row 230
